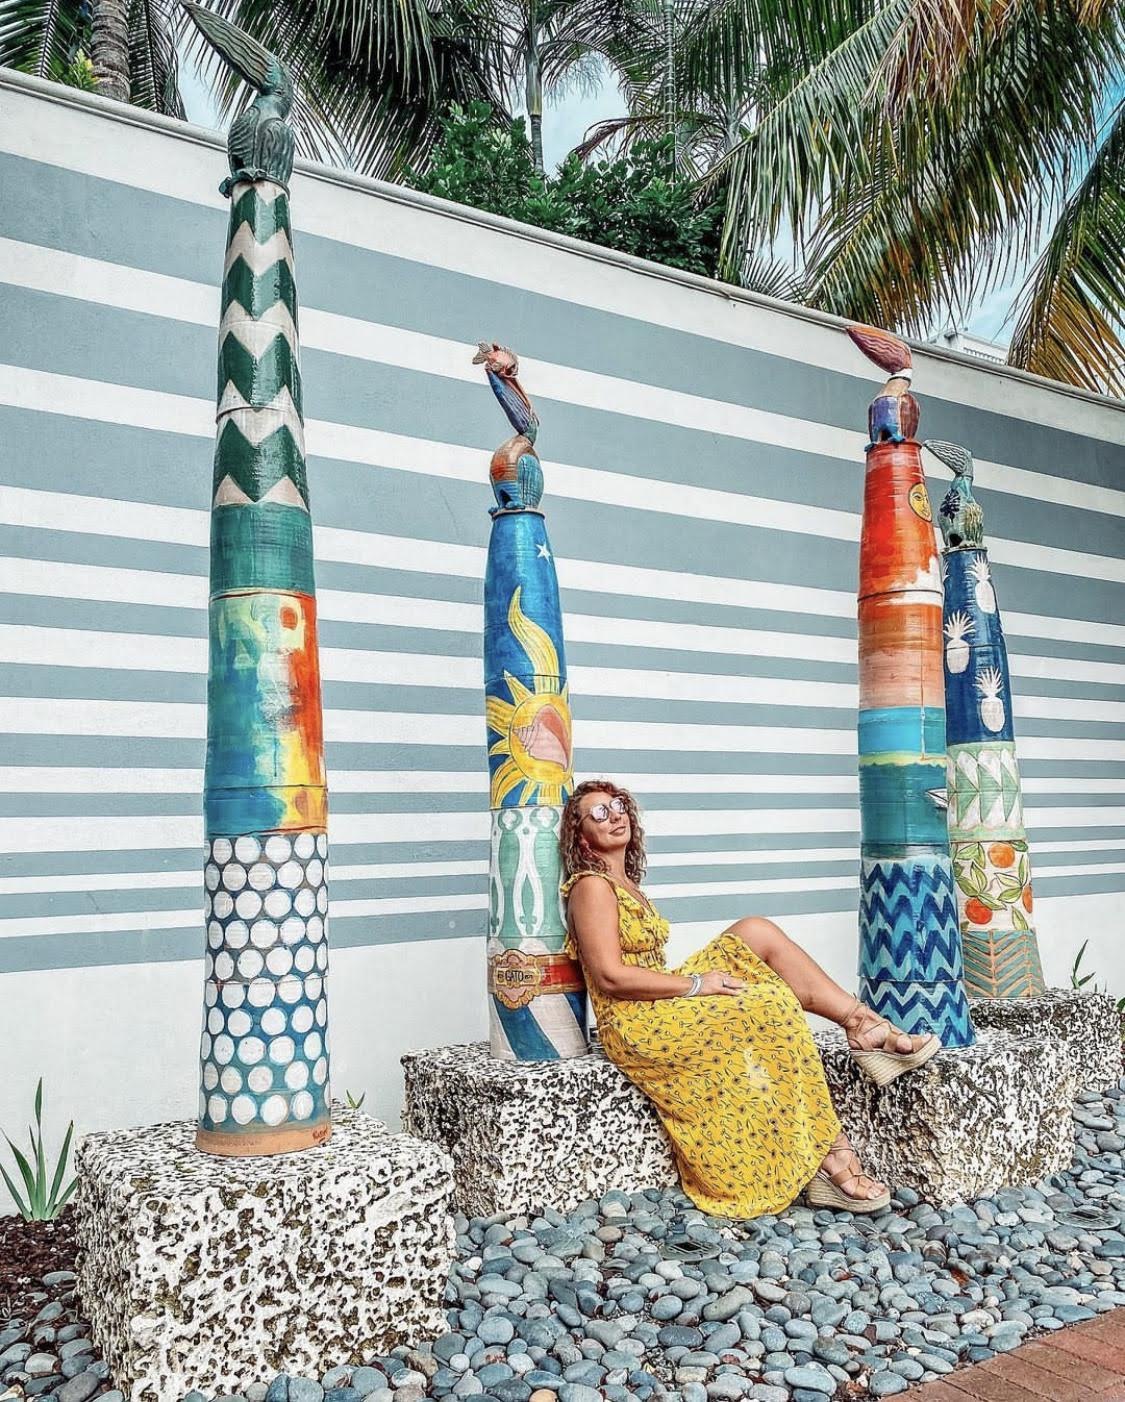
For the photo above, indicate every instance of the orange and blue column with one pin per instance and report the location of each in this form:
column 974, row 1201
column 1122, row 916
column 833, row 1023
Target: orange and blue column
column 910, row 965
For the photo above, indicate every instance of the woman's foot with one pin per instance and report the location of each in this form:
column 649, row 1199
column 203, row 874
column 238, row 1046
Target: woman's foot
column 841, row 1183
column 881, row 1051
column 866, row 1031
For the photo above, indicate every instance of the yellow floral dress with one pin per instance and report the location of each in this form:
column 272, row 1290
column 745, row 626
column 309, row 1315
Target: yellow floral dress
column 737, row 1080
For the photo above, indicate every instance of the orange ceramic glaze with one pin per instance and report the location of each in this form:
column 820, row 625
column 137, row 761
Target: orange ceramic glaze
column 897, row 550
column 304, row 685
column 900, row 653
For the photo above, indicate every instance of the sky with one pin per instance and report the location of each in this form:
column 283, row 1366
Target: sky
column 566, row 121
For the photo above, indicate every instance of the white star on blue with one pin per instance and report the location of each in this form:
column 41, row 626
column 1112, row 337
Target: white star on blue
column 544, row 553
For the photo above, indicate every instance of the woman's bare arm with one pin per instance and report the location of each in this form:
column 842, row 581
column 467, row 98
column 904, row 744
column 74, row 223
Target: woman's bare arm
column 593, row 918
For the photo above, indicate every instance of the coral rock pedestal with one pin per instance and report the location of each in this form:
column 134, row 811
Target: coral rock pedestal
column 968, row 1122
column 525, row 1135
column 208, row 1272
column 1086, row 1025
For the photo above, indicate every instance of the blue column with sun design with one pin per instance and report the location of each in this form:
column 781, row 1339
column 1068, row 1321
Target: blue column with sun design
column 537, row 997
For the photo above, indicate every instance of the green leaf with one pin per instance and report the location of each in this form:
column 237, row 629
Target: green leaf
column 60, row 1169
column 34, row 1197
column 1073, row 303
column 973, row 883
column 1018, row 919
column 22, row 1207
column 62, row 1202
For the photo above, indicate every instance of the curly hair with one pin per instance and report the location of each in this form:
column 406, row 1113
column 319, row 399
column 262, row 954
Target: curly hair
column 577, row 856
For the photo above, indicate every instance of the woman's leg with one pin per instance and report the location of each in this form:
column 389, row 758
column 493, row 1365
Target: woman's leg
column 816, row 991
column 820, row 994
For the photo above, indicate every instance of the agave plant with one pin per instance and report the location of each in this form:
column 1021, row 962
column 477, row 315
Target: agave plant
column 44, row 1196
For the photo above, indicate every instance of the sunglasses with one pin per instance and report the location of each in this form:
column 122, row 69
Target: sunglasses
column 601, row 811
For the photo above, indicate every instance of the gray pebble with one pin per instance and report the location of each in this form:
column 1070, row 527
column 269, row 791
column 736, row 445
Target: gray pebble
column 37, row 1365
column 887, row 1384
column 577, row 1392
column 78, row 1388
column 813, row 1377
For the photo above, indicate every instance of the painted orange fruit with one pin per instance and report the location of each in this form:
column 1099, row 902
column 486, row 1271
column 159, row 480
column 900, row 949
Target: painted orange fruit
column 1000, row 854
column 977, row 912
column 1026, row 899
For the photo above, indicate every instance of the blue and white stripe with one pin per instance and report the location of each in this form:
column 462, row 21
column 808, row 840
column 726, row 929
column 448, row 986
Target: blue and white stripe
column 707, row 570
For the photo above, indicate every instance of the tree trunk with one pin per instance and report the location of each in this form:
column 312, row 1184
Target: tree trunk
column 110, row 48
column 534, row 87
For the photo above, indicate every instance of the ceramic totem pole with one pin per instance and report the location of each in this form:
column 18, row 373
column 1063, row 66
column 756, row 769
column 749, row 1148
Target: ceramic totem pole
column 991, row 865
column 264, row 1086
column 537, row 997
column 910, row 960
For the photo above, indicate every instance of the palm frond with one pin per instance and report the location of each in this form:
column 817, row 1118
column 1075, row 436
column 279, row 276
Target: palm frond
column 816, row 135
column 957, row 201
column 1073, row 301
column 154, row 66
column 42, row 37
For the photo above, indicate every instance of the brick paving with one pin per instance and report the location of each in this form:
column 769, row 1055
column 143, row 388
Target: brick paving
column 1085, row 1363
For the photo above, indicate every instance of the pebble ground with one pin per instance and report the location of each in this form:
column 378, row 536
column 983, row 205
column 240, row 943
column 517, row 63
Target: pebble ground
column 607, row 1303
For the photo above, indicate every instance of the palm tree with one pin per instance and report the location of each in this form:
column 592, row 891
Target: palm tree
column 548, row 44
column 914, row 154
column 109, row 48
column 129, row 44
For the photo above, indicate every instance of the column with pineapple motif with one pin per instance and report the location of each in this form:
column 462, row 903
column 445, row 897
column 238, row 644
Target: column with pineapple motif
column 991, row 862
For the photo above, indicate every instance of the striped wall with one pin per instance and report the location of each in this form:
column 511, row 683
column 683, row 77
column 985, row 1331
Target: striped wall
column 703, row 456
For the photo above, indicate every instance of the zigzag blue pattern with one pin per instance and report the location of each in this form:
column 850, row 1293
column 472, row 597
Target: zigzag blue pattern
column 911, row 963
column 919, row 1008
column 908, row 922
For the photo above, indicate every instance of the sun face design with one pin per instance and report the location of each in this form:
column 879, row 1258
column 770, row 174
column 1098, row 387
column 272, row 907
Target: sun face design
column 534, row 726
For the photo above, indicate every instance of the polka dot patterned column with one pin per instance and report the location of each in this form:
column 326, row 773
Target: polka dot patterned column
column 264, row 1051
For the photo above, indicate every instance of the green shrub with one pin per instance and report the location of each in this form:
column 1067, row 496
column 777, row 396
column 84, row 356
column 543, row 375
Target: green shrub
column 631, row 203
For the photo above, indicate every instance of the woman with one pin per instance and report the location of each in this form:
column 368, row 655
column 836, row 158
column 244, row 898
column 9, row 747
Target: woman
column 720, row 1045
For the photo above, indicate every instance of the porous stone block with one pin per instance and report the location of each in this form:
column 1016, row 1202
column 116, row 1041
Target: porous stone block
column 968, row 1122
column 528, row 1135
column 213, row 1273
column 1088, row 1026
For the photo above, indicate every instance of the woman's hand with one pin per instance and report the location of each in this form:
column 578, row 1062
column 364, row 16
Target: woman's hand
column 717, row 981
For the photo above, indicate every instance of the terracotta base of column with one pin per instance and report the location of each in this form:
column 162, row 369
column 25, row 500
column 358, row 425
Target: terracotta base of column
column 262, row 1143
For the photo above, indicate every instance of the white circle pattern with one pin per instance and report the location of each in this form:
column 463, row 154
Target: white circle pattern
column 266, row 956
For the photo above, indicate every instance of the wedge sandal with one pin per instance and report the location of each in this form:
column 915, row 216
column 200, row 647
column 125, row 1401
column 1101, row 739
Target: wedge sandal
column 827, row 1189
column 883, row 1066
